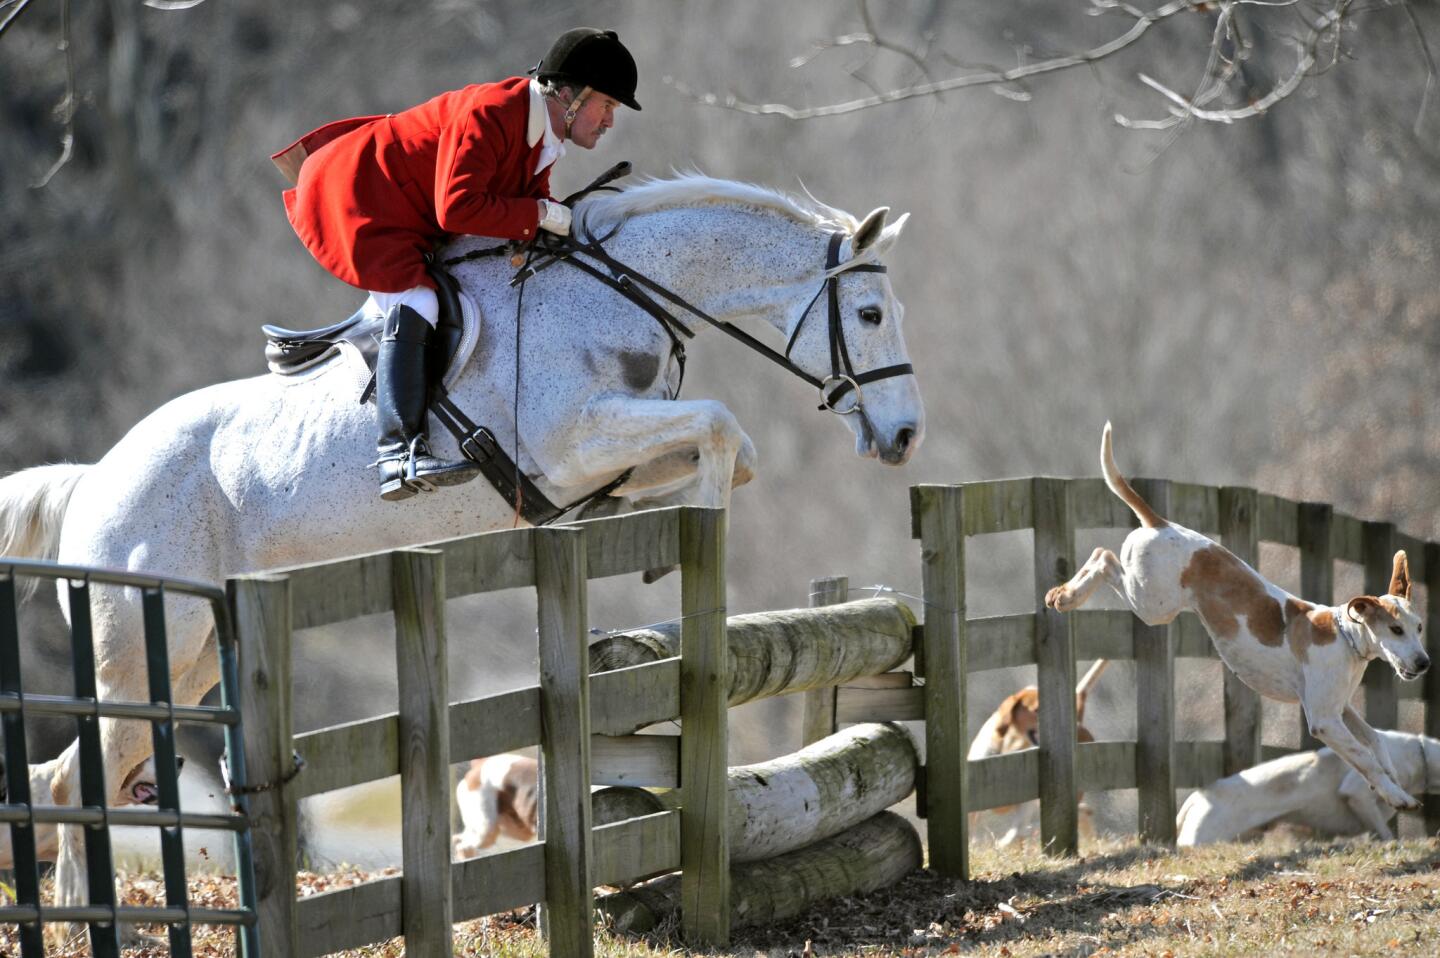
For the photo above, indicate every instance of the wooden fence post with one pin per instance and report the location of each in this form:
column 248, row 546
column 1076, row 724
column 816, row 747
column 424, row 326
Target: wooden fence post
column 1055, row 665
column 422, row 673
column 567, row 914
column 1382, row 706
column 819, row 717
column 1317, row 576
column 1239, row 534
column 1155, row 707
column 704, row 732
column 1432, row 678
column 260, row 609
column 937, row 519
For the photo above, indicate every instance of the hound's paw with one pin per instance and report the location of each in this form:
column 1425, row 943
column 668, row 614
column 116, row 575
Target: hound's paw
column 1399, row 798
column 1061, row 599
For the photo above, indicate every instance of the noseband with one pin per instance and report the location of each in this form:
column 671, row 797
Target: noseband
column 842, row 372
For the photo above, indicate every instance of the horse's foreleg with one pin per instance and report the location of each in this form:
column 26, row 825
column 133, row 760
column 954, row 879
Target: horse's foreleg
column 619, row 432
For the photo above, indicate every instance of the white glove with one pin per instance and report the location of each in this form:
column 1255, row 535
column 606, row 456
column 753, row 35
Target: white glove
column 555, row 218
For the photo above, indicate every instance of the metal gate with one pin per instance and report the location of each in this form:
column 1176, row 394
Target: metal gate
column 103, row 914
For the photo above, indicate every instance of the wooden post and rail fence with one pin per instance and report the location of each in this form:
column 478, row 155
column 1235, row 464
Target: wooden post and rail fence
column 584, row 723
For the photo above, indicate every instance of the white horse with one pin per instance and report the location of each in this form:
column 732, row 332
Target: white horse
column 270, row 471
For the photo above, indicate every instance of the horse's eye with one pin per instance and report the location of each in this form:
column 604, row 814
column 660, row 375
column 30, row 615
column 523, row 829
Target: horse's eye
column 871, row 315
column 1397, row 630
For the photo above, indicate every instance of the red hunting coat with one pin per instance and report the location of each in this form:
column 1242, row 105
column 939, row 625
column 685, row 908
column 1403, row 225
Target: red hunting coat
column 375, row 193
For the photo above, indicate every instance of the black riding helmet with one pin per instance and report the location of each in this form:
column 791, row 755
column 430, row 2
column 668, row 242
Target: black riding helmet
column 594, row 58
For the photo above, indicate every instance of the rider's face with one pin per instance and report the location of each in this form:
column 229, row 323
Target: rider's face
column 596, row 115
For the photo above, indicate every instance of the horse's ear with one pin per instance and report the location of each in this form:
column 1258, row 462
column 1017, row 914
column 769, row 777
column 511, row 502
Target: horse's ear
column 869, row 231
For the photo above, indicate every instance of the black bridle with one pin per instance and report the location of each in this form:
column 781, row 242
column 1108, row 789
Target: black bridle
column 637, row 287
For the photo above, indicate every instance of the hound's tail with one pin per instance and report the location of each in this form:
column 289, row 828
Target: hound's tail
column 1082, row 690
column 1148, row 517
column 32, row 509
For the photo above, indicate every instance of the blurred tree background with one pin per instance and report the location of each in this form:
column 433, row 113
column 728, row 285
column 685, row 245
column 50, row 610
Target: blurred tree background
column 1251, row 303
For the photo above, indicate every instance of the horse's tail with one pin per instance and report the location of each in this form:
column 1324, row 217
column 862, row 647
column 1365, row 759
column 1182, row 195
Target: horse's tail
column 32, row 509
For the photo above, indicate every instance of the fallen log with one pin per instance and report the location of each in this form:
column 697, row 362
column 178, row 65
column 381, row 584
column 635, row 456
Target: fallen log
column 773, row 653
column 873, row 854
column 797, row 799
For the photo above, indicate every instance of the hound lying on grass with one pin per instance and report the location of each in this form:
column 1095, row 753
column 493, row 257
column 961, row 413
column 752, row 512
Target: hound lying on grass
column 498, row 796
column 139, row 788
column 1014, row 727
column 1314, row 789
column 1282, row 647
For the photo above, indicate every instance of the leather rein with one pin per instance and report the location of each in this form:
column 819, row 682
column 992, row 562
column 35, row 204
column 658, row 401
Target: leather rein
column 637, row 287
column 478, row 443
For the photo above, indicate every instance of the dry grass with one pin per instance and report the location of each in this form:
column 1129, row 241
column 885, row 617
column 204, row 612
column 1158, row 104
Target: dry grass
column 1284, row 895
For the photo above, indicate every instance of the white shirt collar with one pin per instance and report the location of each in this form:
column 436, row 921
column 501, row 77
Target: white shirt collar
column 540, row 128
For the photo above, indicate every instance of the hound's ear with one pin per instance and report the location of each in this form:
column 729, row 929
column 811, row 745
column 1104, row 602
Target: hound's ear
column 1362, row 608
column 869, row 231
column 1400, row 578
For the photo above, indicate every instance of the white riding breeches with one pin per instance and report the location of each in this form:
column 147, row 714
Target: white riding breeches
column 419, row 298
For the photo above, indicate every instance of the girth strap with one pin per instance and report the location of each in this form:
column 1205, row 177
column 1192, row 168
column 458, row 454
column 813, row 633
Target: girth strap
column 478, row 444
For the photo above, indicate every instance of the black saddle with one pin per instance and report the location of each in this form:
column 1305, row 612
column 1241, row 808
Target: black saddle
column 292, row 351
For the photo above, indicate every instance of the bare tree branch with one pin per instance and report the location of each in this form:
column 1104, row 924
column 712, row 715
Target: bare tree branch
column 1429, row 64
column 14, row 14
column 1143, row 22
column 66, row 109
column 1183, row 109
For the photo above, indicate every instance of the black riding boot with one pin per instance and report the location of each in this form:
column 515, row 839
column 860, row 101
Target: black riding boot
column 406, row 464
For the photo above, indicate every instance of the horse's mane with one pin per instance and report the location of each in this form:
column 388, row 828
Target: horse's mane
column 695, row 189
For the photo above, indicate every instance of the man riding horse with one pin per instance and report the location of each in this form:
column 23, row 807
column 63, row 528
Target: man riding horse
column 374, row 195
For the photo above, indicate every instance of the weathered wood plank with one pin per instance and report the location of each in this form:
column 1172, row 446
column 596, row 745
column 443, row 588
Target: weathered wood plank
column 350, row 754
column 996, row 505
column 628, row 699
column 330, row 592
column 1195, row 507
column 1238, row 532
column 649, row 761
column 499, row 882
column 1007, row 779
column 1347, row 538
column 1382, row 709
column 892, row 697
column 631, row 543
column 260, row 608
column 704, row 684
column 567, row 914
column 1054, row 563
column 1103, row 766
column 819, row 717
column 937, row 519
column 636, row 848
column 1197, row 764
column 423, row 679
column 1153, row 766
column 1317, row 575
column 348, row 918
column 491, row 724
column 1094, row 506
column 1277, row 519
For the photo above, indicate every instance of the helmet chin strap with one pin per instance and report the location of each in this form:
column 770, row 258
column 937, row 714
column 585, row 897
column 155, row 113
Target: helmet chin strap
column 574, row 108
